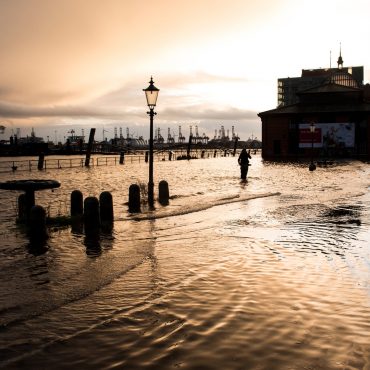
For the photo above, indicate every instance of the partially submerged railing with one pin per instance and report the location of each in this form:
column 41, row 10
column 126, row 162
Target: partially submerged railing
column 111, row 160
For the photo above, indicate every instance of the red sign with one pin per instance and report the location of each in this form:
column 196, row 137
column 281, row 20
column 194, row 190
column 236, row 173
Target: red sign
column 306, row 136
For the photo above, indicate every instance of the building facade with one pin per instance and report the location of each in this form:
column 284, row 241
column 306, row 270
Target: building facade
column 289, row 87
column 340, row 115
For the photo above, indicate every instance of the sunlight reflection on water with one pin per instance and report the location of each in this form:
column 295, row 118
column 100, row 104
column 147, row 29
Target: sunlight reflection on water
column 269, row 274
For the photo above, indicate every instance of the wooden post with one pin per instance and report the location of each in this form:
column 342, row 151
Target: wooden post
column 40, row 164
column 163, row 192
column 106, row 211
column 89, row 147
column 134, row 198
column 22, row 208
column 122, row 157
column 189, row 146
column 37, row 225
column 76, row 211
column 91, row 218
column 235, row 145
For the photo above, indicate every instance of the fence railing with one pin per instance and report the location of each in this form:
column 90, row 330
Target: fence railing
column 60, row 163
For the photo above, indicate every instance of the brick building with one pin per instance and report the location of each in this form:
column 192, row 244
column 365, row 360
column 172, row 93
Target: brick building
column 339, row 110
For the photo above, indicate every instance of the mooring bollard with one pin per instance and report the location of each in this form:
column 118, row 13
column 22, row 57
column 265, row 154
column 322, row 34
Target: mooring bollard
column 134, row 198
column 40, row 164
column 22, row 208
column 76, row 204
column 203, row 153
column 106, row 211
column 91, row 217
column 163, row 192
column 214, row 154
column 170, row 155
column 122, row 157
column 37, row 225
column 77, row 211
column 146, row 156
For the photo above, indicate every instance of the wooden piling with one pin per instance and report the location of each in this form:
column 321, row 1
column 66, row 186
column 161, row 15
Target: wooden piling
column 76, row 203
column 37, row 225
column 122, row 157
column 76, row 211
column 22, row 208
column 134, row 198
column 163, row 192
column 235, row 146
column 189, row 147
column 92, row 217
column 106, row 211
column 89, row 147
column 40, row 164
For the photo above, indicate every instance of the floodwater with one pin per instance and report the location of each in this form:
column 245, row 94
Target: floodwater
column 272, row 273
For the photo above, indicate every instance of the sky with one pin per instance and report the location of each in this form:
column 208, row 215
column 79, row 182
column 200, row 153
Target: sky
column 76, row 64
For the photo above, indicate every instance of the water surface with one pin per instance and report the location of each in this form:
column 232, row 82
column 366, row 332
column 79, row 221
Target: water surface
column 272, row 273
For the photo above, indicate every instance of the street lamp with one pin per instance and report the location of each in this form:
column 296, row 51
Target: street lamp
column 151, row 93
column 312, row 166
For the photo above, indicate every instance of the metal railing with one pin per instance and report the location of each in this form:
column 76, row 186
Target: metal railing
column 112, row 160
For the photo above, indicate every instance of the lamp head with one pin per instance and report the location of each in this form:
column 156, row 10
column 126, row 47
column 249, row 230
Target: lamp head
column 151, row 93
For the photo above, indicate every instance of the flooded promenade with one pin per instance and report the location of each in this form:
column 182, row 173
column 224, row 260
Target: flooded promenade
column 272, row 273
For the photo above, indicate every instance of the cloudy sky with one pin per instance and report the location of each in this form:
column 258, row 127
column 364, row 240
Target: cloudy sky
column 77, row 64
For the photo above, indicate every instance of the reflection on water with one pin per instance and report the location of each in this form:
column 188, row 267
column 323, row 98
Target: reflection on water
column 273, row 273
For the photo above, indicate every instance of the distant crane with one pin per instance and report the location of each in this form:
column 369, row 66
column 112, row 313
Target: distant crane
column 170, row 138
column 158, row 136
column 181, row 138
column 197, row 137
column 104, row 130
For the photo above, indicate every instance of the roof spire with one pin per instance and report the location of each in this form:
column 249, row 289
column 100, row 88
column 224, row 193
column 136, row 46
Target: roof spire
column 340, row 59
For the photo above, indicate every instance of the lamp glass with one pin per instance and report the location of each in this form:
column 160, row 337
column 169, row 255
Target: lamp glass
column 312, row 127
column 151, row 93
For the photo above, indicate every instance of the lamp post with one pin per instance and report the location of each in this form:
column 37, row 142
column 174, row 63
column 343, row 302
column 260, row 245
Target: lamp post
column 312, row 166
column 151, row 93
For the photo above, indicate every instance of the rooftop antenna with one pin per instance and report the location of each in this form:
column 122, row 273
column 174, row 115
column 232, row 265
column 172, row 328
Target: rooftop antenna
column 340, row 59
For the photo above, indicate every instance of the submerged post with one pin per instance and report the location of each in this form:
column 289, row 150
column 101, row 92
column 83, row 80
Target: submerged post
column 89, row 147
column 40, row 164
column 235, row 146
column 91, row 218
column 134, row 198
column 22, row 208
column 37, row 225
column 77, row 210
column 163, row 192
column 76, row 203
column 122, row 157
column 189, row 146
column 106, row 211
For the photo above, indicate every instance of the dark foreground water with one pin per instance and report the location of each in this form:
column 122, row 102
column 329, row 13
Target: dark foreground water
column 269, row 274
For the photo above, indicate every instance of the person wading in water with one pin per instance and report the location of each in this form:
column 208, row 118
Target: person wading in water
column 243, row 161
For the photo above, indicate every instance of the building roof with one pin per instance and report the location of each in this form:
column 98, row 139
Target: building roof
column 326, row 98
column 330, row 88
column 317, row 108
